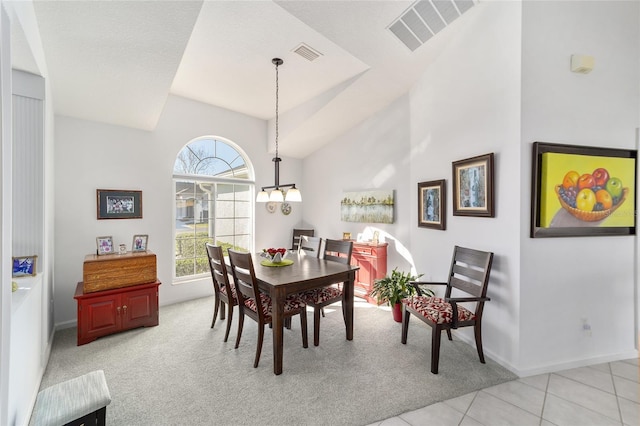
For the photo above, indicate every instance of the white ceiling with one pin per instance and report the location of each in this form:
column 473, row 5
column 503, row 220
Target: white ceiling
column 117, row 61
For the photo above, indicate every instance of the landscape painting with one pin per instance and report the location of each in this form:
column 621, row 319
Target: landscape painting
column 372, row 206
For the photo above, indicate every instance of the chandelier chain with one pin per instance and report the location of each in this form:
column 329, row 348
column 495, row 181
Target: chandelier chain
column 277, row 98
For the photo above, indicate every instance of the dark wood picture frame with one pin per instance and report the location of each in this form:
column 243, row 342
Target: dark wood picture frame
column 119, row 204
column 473, row 193
column 432, row 204
column 552, row 213
column 24, row 266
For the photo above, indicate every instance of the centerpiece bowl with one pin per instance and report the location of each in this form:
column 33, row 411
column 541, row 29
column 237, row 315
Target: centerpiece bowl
column 274, row 255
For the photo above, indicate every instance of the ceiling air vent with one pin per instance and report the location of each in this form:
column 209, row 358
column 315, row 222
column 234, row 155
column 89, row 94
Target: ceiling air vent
column 307, row 52
column 425, row 18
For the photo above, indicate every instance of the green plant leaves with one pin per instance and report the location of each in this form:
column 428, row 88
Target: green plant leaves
column 395, row 287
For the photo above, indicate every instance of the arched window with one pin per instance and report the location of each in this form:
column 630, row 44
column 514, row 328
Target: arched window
column 213, row 183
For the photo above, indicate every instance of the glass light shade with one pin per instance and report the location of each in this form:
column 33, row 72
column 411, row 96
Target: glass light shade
column 293, row 195
column 276, row 195
column 263, row 197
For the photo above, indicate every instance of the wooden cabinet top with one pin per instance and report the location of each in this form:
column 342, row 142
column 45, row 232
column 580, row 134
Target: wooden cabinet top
column 114, row 256
column 368, row 243
column 80, row 294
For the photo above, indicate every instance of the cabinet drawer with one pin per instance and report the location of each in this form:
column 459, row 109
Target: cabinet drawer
column 363, row 250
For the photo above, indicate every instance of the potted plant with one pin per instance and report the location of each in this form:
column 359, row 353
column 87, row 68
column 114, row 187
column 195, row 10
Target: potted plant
column 393, row 288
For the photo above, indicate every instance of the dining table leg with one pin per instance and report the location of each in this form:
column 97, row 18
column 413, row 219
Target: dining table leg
column 277, row 298
column 347, row 293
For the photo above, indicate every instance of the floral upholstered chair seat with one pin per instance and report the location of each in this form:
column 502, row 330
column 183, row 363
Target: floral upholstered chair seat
column 321, row 295
column 469, row 277
column 291, row 304
column 437, row 310
column 223, row 290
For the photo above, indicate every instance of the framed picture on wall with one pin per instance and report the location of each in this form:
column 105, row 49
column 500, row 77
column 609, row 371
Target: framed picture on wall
column 432, row 204
column 582, row 191
column 473, row 187
column 119, row 204
column 371, row 206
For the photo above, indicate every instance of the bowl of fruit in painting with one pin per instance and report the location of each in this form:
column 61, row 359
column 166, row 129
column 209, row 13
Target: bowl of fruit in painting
column 275, row 255
column 591, row 196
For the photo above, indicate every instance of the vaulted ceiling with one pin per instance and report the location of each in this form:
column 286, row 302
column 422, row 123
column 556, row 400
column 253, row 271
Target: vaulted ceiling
column 117, row 61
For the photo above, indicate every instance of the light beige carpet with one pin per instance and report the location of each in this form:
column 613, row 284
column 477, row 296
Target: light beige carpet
column 181, row 372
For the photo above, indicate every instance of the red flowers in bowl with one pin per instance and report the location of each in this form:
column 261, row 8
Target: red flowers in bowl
column 275, row 255
column 272, row 251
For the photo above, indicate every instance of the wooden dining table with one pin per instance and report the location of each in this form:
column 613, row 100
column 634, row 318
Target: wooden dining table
column 306, row 273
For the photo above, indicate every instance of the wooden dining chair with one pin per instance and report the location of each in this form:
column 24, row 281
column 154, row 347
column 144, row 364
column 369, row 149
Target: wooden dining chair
column 257, row 305
column 224, row 293
column 310, row 246
column 337, row 251
column 297, row 233
column 469, row 274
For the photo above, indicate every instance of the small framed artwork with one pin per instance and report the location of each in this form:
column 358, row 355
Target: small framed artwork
column 119, row 204
column 582, row 191
column 24, row 266
column 105, row 245
column 346, row 235
column 473, row 187
column 432, row 204
column 139, row 243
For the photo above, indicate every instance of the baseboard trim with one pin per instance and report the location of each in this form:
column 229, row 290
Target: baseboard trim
column 576, row 363
column 552, row 367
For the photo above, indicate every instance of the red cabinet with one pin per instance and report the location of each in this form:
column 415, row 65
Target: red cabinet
column 111, row 311
column 372, row 260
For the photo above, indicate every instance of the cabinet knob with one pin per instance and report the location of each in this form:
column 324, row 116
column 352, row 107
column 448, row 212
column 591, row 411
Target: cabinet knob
column 118, row 310
column 124, row 307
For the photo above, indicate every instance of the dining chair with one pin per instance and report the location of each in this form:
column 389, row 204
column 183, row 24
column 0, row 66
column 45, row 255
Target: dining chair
column 310, row 246
column 223, row 291
column 337, row 251
column 257, row 305
column 297, row 233
column 468, row 274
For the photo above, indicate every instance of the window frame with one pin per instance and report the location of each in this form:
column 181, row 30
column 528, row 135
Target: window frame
column 190, row 177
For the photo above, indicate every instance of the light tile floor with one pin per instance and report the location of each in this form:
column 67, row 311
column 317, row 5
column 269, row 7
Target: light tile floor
column 598, row 395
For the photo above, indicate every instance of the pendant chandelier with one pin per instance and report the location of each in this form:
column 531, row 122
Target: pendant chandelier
column 276, row 194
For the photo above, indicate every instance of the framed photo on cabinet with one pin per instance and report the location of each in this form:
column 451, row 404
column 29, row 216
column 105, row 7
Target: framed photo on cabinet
column 473, row 187
column 139, row 243
column 432, row 204
column 105, row 245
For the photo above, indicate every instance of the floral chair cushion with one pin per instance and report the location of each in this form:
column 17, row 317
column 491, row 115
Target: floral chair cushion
column 321, row 295
column 292, row 303
column 436, row 310
column 223, row 289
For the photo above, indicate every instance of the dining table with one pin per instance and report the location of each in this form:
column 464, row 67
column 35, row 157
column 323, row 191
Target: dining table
column 305, row 273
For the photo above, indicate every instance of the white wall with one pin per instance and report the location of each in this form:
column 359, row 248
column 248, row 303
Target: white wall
column 5, row 212
column 566, row 279
column 31, row 313
column 499, row 83
column 468, row 104
column 91, row 155
column 374, row 155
